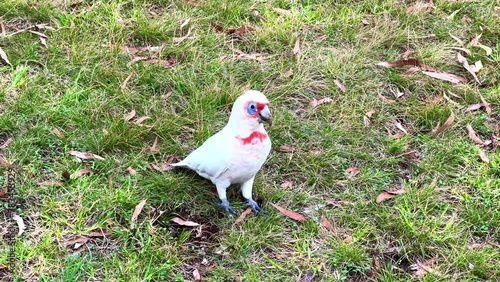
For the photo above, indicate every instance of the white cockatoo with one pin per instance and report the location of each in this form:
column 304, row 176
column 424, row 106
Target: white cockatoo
column 235, row 154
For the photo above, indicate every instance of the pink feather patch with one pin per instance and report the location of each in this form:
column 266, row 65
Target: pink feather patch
column 254, row 135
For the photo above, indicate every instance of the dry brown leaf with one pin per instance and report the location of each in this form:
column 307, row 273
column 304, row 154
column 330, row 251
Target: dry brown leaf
column 285, row 149
column 5, row 163
column 286, row 184
column 110, row 180
column 474, row 246
column 309, row 276
column 178, row 40
column 130, row 115
column 155, row 167
column 466, row 51
column 389, row 194
column 445, row 76
column 136, row 213
column 466, row 19
column 125, row 82
column 80, row 240
column 473, row 107
column 419, row 7
column 477, row 66
column 2, row 27
column 382, row 196
column 366, row 118
column 438, row 129
column 433, row 182
column 315, row 103
column 4, row 57
column 236, row 31
column 6, row 143
column 193, row 3
column 334, row 202
column 43, row 41
column 396, row 191
column 58, row 133
column 98, row 234
column 404, row 62
column 407, row 54
column 293, row 215
column 183, row 25
column 486, row 105
column 450, row 100
column 422, row 268
column 162, row 63
column 183, row 222
column 296, row 48
column 140, row 120
column 374, row 268
column 243, row 215
column 465, row 64
column 240, row 30
column 217, row 27
column 348, row 239
column 320, row 38
column 483, row 156
column 340, row 85
column 400, row 127
column 475, row 43
column 131, row 170
column 283, row 12
column 81, row 172
column 316, row 152
column 85, row 156
column 50, row 183
column 473, row 136
column 153, row 148
column 166, row 167
column 42, row 36
column 135, row 60
column 287, row 74
column 255, row 56
column 20, row 224
column 385, row 99
column 196, row 275
column 411, row 70
column 352, row 171
column 326, row 223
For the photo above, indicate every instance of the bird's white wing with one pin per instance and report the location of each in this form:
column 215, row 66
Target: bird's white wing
column 212, row 158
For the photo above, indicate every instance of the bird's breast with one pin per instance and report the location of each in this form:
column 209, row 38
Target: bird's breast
column 249, row 154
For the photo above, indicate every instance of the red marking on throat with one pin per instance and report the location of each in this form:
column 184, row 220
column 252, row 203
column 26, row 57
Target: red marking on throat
column 253, row 136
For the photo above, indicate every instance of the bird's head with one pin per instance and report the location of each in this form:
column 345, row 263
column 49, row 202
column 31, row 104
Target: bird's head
column 250, row 110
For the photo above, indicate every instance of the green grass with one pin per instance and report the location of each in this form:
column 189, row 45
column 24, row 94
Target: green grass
column 74, row 85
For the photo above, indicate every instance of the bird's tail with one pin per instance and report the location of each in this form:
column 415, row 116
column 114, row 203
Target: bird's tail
column 180, row 164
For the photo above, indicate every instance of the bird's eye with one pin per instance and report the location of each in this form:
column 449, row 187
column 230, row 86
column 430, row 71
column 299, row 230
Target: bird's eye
column 252, row 108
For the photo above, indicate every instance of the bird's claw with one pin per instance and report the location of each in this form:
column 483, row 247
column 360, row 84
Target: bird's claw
column 225, row 205
column 255, row 207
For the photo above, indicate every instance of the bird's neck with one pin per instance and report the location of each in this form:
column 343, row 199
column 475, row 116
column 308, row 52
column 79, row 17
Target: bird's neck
column 245, row 129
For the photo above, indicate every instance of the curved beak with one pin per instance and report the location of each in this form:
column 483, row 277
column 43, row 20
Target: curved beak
column 265, row 116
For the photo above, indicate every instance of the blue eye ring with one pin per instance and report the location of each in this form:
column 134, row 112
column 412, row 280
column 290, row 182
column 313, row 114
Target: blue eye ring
column 251, row 108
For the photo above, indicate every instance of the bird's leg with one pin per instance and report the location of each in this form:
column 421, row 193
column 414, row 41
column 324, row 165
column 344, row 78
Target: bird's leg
column 246, row 190
column 221, row 190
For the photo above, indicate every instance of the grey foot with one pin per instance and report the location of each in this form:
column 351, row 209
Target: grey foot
column 255, row 207
column 225, row 205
